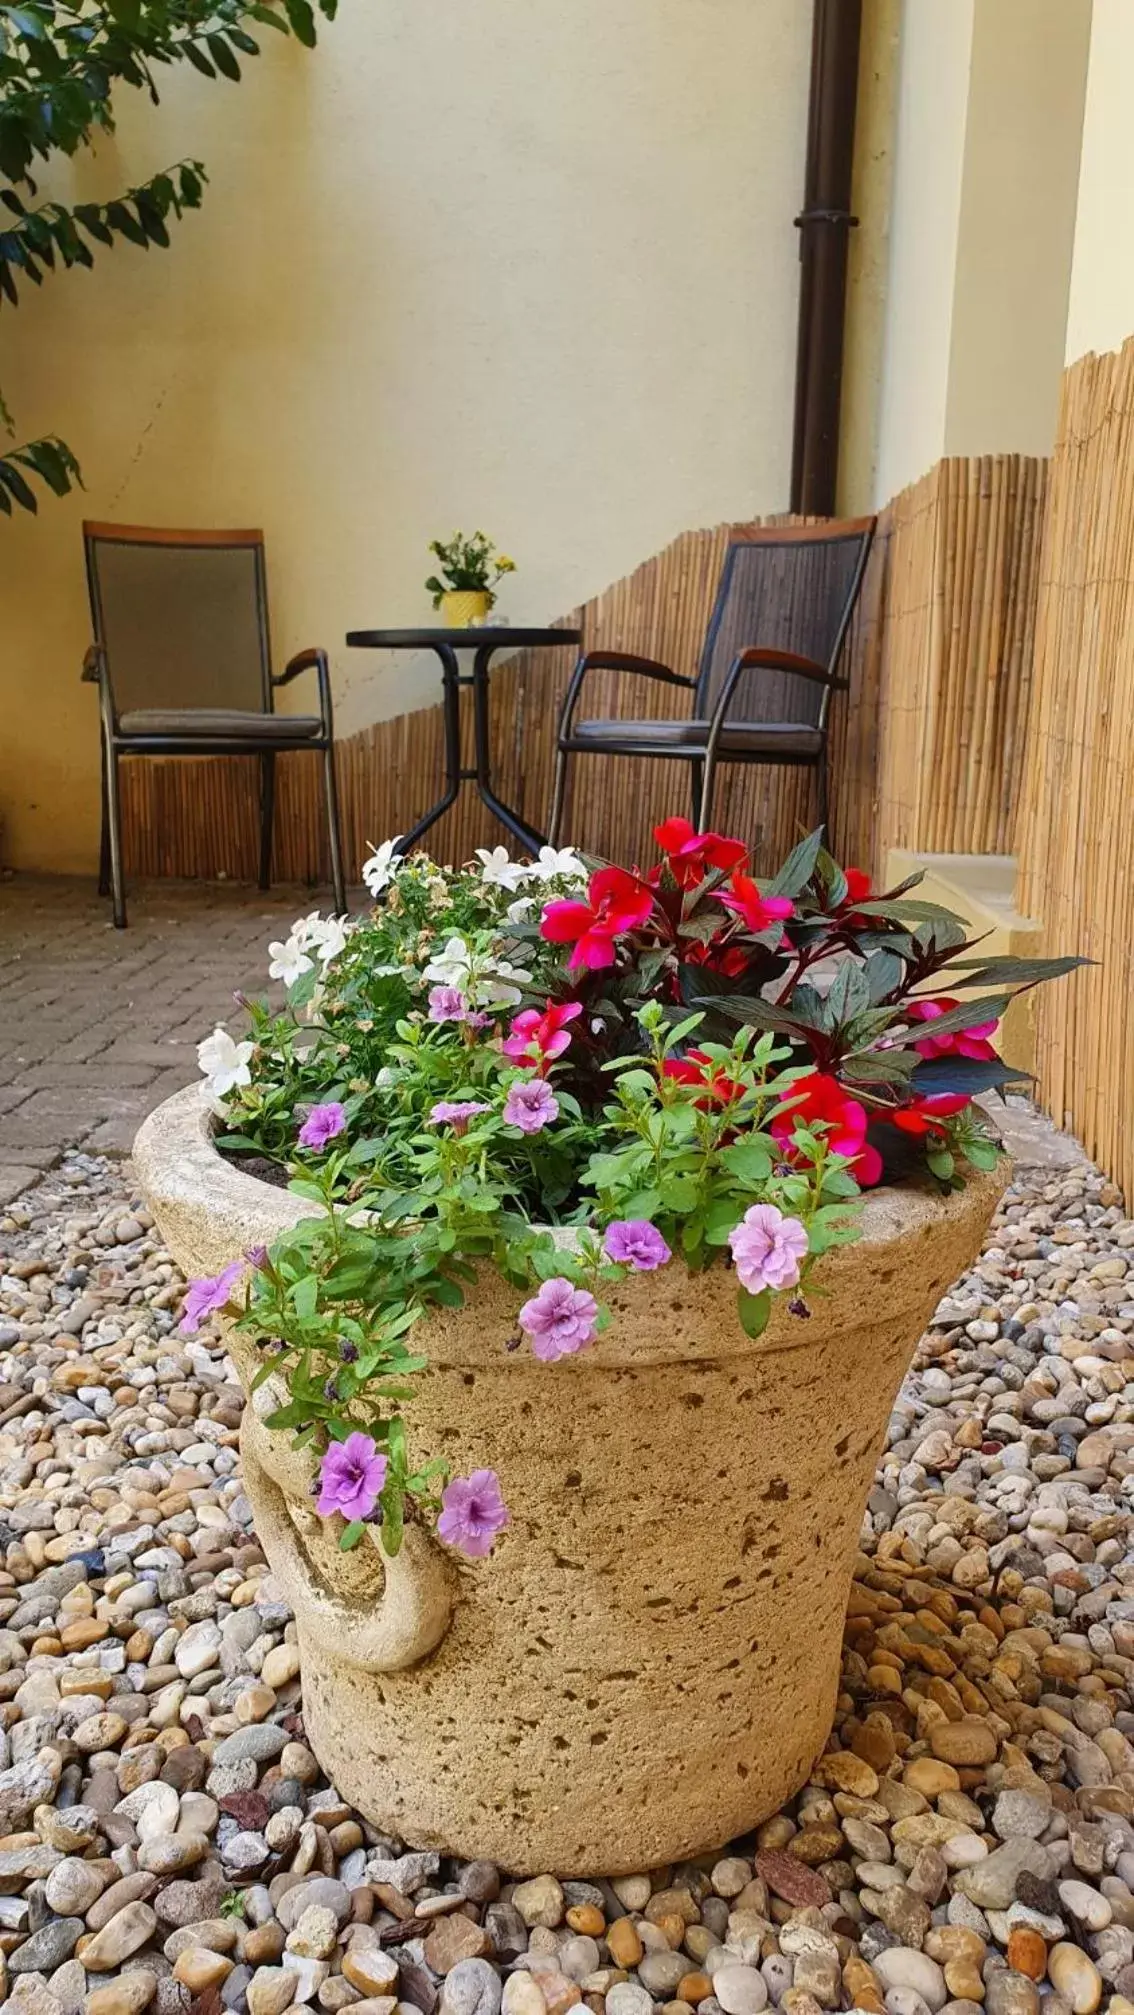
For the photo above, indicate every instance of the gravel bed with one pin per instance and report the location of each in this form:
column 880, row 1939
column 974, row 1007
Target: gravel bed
column 167, row 1840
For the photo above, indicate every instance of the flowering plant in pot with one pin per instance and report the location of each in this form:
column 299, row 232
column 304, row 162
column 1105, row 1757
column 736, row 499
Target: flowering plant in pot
column 470, row 569
column 547, row 1116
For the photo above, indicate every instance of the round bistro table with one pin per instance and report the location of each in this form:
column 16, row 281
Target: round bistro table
column 483, row 642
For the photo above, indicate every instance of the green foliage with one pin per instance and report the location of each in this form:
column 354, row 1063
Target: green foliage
column 470, row 564
column 406, row 1220
column 718, row 1064
column 60, row 61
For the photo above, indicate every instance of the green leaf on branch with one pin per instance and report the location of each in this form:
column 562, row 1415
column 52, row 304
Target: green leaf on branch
column 798, row 868
column 1012, row 972
column 754, row 1310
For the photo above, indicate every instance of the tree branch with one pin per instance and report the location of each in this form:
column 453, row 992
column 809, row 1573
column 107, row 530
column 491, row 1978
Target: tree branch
column 38, row 237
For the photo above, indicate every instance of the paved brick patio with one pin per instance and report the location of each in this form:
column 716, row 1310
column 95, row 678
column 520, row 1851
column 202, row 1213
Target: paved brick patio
column 97, row 1026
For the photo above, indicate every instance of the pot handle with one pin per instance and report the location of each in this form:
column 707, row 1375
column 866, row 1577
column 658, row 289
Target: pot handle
column 411, row 1615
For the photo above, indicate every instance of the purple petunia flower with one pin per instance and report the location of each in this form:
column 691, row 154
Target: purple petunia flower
column 351, row 1478
column 531, row 1105
column 767, row 1248
column 560, row 1319
column 472, row 1512
column 257, row 1256
column 204, row 1297
column 322, row 1124
column 635, row 1242
column 456, row 1112
column 447, row 1004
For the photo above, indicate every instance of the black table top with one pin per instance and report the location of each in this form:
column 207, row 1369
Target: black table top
column 495, row 637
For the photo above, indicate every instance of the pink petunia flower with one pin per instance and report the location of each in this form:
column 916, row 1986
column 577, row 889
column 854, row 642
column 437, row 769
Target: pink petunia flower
column 472, row 1513
column 634, row 1241
column 531, row 1105
column 323, row 1123
column 204, row 1297
column 456, row 1112
column 767, row 1248
column 560, row 1319
column 352, row 1478
column 447, row 1004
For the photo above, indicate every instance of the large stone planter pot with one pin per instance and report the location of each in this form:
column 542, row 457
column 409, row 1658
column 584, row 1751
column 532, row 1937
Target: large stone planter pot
column 647, row 1664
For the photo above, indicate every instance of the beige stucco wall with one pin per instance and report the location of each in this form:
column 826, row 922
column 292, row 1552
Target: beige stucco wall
column 1101, row 313
column 1023, row 137
column 525, row 265
column 990, row 121
column 933, row 83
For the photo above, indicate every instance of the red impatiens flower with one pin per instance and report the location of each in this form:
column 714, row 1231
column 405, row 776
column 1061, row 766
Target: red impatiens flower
column 732, row 960
column 860, row 889
column 970, row 1042
column 691, row 855
column 818, row 1097
column 757, row 912
column 618, row 902
column 697, row 1068
column 535, row 1037
column 924, row 1115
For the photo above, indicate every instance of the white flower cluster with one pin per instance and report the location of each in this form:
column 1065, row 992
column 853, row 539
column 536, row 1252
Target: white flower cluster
column 483, row 979
column 379, row 871
column 550, row 864
column 496, row 866
column 324, row 937
column 225, row 1064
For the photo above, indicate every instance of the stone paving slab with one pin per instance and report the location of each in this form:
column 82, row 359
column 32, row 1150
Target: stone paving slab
column 98, row 1025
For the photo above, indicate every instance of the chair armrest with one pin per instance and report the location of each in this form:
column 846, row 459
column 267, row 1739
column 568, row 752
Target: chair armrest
column 759, row 657
column 96, row 672
column 614, row 661
column 311, row 660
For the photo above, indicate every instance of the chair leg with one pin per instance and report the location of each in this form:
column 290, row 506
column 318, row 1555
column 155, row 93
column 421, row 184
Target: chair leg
column 114, row 823
column 697, row 789
column 822, row 792
column 104, row 827
column 267, row 810
column 558, row 797
column 331, row 791
column 708, row 782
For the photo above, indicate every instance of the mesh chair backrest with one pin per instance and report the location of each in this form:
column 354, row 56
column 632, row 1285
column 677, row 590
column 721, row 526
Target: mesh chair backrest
column 788, row 590
column 182, row 616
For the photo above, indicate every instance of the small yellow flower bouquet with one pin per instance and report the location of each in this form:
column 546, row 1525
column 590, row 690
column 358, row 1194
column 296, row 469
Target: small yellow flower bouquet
column 470, row 566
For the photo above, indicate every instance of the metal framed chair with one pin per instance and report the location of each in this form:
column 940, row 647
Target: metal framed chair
column 182, row 661
column 768, row 667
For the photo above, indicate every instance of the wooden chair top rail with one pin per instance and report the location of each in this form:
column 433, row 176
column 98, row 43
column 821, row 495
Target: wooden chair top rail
column 819, row 530
column 164, row 535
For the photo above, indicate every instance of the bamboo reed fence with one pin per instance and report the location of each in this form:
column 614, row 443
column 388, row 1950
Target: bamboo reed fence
column 957, row 654
column 924, row 744
column 1077, row 828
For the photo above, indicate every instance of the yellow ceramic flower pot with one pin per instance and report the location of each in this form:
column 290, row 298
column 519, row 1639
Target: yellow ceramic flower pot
column 463, row 606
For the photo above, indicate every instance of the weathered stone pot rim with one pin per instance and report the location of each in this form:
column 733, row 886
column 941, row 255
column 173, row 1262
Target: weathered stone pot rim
column 180, row 1167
